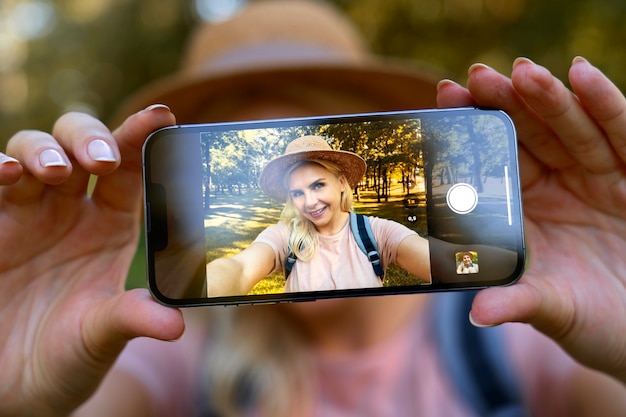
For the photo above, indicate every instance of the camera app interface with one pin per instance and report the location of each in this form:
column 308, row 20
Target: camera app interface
column 366, row 204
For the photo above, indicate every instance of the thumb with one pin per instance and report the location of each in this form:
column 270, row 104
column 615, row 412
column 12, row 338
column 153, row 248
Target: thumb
column 131, row 314
column 516, row 303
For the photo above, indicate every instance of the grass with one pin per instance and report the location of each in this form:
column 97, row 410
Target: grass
column 234, row 221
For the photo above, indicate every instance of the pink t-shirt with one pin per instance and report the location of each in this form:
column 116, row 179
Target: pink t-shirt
column 340, row 264
column 404, row 376
column 400, row 377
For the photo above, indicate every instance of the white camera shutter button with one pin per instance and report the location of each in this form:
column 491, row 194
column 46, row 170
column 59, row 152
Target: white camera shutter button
column 462, row 198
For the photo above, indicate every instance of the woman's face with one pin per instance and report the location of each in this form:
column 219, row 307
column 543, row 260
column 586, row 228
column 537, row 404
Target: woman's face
column 316, row 194
column 467, row 260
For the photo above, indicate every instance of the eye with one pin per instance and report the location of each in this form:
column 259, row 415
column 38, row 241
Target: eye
column 296, row 193
column 318, row 185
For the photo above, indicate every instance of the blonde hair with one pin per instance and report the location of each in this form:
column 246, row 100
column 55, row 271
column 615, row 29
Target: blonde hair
column 303, row 240
column 255, row 363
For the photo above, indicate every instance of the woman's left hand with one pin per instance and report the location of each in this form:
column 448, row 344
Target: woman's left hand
column 572, row 151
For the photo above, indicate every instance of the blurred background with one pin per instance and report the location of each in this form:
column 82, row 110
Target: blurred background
column 88, row 55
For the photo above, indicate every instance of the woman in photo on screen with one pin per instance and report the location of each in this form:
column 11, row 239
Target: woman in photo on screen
column 316, row 184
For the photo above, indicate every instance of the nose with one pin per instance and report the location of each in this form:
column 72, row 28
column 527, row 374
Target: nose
column 310, row 200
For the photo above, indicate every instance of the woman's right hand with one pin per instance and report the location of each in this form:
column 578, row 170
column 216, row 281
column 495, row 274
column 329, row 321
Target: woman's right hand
column 64, row 258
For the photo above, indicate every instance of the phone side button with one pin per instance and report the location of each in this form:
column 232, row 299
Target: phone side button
column 148, row 218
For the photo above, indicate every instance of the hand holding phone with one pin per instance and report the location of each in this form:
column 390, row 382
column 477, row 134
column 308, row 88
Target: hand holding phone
column 300, row 209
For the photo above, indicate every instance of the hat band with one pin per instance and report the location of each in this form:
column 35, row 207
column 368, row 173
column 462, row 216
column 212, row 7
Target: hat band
column 274, row 54
column 308, row 149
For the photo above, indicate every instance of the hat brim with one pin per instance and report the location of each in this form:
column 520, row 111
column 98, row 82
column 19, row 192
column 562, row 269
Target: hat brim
column 272, row 180
column 376, row 85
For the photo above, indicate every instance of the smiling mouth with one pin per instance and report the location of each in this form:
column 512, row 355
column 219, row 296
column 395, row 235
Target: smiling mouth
column 317, row 213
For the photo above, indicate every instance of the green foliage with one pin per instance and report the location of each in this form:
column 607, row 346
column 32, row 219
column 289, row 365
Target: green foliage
column 91, row 56
column 453, row 34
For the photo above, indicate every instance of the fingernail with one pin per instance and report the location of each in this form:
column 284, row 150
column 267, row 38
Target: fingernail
column 478, row 66
column 579, row 59
column 7, row 159
column 522, row 60
column 99, row 150
column 51, row 158
column 445, row 82
column 155, row 106
column 476, row 324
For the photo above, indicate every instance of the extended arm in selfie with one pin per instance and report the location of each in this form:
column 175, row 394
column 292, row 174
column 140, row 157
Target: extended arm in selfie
column 413, row 256
column 237, row 274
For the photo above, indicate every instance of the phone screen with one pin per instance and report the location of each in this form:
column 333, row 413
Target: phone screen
column 438, row 198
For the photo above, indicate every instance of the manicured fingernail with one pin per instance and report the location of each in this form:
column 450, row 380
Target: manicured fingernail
column 155, row 107
column 522, row 60
column 51, row 158
column 444, row 83
column 100, row 151
column 478, row 66
column 7, row 159
column 476, row 324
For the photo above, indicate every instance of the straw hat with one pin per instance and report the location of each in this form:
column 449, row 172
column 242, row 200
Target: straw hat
column 297, row 47
column 305, row 148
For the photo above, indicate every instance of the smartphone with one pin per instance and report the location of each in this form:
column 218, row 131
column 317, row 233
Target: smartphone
column 448, row 177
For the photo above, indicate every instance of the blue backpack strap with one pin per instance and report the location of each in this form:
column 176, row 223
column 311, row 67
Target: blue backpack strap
column 475, row 358
column 362, row 232
column 290, row 261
